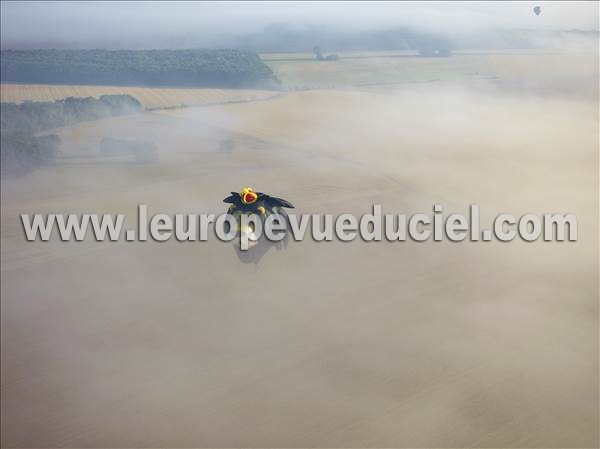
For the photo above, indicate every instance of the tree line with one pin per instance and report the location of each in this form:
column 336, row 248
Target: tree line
column 161, row 68
column 21, row 150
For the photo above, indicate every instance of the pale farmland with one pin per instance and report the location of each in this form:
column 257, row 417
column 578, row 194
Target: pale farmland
column 322, row 344
column 393, row 69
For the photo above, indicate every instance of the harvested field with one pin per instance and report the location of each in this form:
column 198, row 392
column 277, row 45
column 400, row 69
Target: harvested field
column 323, row 344
column 151, row 98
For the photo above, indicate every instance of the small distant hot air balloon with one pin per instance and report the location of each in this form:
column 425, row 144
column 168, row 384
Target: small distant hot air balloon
column 537, row 10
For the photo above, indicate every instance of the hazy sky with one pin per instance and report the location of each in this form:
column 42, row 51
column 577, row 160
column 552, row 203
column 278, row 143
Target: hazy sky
column 129, row 24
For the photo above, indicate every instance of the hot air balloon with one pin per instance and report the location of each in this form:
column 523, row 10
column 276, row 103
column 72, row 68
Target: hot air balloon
column 537, row 10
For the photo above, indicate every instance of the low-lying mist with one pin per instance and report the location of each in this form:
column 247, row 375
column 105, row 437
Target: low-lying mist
column 326, row 344
column 285, row 27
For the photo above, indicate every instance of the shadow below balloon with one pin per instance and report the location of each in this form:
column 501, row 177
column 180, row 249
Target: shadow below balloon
column 258, row 249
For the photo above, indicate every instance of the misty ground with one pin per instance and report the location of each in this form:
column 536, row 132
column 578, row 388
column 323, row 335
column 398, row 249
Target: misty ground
column 329, row 344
